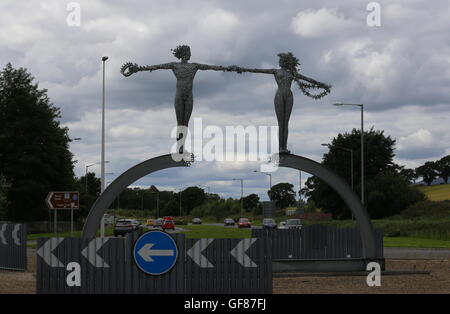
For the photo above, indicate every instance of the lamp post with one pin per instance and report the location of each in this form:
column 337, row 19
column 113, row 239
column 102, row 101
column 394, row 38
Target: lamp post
column 87, row 167
column 270, row 182
column 102, row 227
column 242, row 194
column 362, row 145
column 157, row 203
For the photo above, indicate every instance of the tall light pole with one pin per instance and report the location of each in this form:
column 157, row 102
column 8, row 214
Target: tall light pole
column 157, row 202
column 242, row 194
column 87, row 167
column 362, row 145
column 102, row 227
column 270, row 181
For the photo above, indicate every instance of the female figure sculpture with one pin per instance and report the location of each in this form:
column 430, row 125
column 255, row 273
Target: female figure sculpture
column 284, row 99
column 185, row 73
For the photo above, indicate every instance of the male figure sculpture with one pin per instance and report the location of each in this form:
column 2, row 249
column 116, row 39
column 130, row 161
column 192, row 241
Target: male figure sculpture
column 283, row 98
column 185, row 73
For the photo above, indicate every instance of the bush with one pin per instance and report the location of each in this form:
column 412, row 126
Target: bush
column 427, row 209
column 390, row 194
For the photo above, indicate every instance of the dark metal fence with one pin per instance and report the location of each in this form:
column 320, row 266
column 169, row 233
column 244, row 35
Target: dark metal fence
column 228, row 266
column 13, row 246
column 317, row 242
column 107, row 266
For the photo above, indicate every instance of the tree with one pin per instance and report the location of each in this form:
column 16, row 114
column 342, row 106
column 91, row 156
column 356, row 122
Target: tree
column 34, row 151
column 443, row 168
column 410, row 175
column 172, row 208
column 389, row 194
column 427, row 172
column 250, row 202
column 282, row 194
column 4, row 187
column 379, row 166
column 88, row 192
column 192, row 197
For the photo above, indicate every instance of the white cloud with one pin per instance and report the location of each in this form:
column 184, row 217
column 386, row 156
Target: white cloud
column 323, row 22
column 400, row 71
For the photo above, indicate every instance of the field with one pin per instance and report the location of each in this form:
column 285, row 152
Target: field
column 439, row 192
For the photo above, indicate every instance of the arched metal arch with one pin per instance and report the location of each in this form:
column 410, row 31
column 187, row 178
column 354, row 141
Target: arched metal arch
column 285, row 160
column 121, row 183
column 343, row 189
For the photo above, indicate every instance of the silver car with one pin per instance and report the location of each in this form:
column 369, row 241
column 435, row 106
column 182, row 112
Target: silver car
column 293, row 224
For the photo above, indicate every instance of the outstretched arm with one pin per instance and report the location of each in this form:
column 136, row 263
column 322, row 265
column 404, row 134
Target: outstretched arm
column 299, row 77
column 312, row 84
column 211, row 67
column 239, row 70
column 131, row 68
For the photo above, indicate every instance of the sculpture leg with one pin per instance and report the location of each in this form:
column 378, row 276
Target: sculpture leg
column 280, row 110
column 183, row 110
column 287, row 115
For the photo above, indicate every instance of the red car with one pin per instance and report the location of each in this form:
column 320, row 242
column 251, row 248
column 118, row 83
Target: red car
column 168, row 223
column 244, row 223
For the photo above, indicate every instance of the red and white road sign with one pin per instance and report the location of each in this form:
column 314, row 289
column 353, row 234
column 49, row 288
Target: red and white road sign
column 63, row 200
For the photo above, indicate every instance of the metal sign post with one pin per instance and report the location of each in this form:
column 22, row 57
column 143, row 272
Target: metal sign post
column 63, row 200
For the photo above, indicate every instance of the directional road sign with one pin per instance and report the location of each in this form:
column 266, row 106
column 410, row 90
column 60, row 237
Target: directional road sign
column 155, row 252
column 63, row 200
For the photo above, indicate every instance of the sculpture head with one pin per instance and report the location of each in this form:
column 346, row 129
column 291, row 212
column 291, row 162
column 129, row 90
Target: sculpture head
column 182, row 52
column 288, row 62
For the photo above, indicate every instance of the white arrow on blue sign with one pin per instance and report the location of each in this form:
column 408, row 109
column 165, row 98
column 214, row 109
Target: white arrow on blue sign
column 155, row 252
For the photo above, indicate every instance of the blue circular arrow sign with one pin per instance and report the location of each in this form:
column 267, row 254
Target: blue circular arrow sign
column 155, row 252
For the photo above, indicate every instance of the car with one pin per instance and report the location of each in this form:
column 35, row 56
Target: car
column 293, row 224
column 196, row 221
column 124, row 226
column 149, row 222
column 282, row 225
column 244, row 223
column 168, row 224
column 269, row 223
column 228, row 222
column 158, row 223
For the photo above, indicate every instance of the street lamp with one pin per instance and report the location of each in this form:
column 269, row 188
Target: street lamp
column 180, row 198
column 270, row 181
column 157, row 202
column 362, row 145
column 87, row 167
column 102, row 227
column 242, row 194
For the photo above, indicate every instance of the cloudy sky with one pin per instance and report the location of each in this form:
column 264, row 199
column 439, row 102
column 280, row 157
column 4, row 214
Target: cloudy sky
column 400, row 70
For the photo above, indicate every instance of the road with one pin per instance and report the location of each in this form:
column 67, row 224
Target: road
column 415, row 253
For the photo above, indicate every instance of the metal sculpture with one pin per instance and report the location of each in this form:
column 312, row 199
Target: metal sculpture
column 185, row 73
column 284, row 99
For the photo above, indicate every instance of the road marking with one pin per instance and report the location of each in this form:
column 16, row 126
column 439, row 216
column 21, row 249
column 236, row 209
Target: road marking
column 45, row 251
column 14, row 235
column 239, row 252
column 90, row 252
column 195, row 252
column 2, row 234
column 146, row 252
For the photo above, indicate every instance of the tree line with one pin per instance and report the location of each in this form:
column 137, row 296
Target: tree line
column 432, row 170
